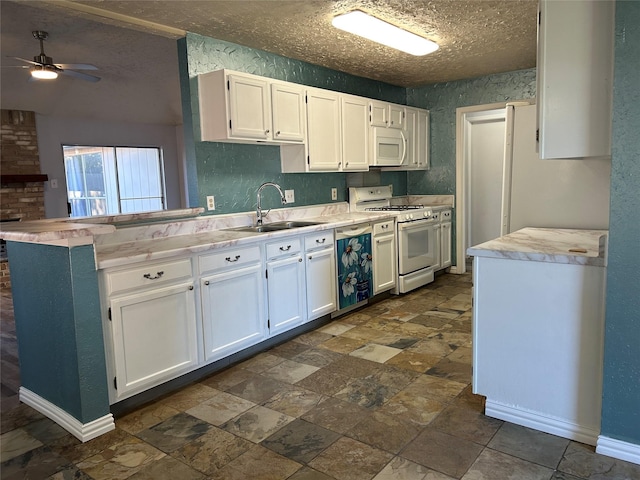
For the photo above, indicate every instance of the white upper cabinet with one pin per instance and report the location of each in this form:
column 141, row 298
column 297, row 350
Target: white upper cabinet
column 323, row 122
column 416, row 133
column 355, row 133
column 575, row 78
column 384, row 114
column 289, row 114
column 396, row 116
column 244, row 108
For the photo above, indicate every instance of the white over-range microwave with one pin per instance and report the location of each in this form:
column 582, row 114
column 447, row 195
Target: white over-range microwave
column 389, row 147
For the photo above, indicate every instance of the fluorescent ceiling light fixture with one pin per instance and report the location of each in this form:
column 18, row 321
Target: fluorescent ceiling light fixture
column 42, row 72
column 359, row 23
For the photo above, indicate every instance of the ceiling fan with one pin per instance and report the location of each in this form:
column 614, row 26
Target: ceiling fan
column 42, row 66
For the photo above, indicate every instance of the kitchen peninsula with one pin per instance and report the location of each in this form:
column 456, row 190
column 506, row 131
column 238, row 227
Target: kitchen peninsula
column 538, row 322
column 112, row 308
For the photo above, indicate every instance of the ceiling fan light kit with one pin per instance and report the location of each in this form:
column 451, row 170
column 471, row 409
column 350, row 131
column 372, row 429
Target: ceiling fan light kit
column 359, row 23
column 43, row 72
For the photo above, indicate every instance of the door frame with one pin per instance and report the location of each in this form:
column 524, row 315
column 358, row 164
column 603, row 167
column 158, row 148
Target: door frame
column 463, row 120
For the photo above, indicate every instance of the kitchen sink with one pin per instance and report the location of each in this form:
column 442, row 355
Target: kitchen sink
column 273, row 227
column 294, row 224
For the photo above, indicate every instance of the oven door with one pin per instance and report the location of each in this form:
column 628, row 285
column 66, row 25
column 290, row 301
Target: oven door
column 416, row 245
column 389, row 147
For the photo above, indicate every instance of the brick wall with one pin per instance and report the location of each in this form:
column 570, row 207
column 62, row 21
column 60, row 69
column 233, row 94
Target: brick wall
column 19, row 155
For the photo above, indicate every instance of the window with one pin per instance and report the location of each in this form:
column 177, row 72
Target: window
column 112, row 180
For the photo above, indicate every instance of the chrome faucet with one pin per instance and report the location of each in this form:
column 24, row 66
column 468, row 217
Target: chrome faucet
column 259, row 213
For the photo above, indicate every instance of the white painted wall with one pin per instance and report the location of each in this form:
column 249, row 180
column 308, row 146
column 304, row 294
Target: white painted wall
column 54, row 131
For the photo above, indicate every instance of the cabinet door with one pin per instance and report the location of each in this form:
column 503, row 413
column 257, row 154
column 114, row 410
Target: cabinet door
column 384, row 262
column 154, row 337
column 396, row 116
column 323, row 117
column 438, row 261
column 321, row 282
column 422, row 140
column 249, row 107
column 378, row 114
column 285, row 293
column 355, row 133
column 233, row 311
column 575, row 78
column 445, row 245
column 289, row 113
column 411, row 137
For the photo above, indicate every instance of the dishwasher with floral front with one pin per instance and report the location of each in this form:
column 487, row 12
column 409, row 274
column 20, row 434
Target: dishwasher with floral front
column 355, row 267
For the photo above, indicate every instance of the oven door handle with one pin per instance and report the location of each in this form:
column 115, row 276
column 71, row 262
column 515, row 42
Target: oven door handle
column 416, row 224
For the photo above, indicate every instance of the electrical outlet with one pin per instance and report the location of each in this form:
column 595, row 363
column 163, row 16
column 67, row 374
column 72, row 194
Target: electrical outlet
column 289, row 196
column 53, row 183
column 211, row 203
column 334, row 194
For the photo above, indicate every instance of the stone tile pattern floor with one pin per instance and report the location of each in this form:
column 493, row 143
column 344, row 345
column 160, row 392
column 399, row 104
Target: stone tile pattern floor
column 380, row 393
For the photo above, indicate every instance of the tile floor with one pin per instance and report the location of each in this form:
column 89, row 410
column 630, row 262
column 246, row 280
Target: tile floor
column 381, row 393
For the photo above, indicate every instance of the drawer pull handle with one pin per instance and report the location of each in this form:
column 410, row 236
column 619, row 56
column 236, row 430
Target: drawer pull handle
column 158, row 275
column 229, row 259
column 286, row 249
column 321, row 241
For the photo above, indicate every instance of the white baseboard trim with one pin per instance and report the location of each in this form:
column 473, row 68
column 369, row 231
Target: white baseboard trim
column 82, row 431
column 535, row 420
column 610, row 447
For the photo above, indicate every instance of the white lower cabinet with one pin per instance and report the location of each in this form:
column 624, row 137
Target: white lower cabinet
column 233, row 308
column 384, row 256
column 154, row 337
column 320, row 273
column 445, row 245
column 285, row 285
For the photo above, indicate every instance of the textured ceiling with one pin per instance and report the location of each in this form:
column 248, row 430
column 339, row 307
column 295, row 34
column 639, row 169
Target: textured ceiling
column 476, row 37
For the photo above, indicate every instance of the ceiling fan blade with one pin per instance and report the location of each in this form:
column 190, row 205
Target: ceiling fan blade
column 76, row 66
column 25, row 60
column 80, row 75
column 15, row 66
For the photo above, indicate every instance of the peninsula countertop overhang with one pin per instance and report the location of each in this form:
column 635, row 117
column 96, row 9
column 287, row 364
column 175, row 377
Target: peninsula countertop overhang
column 552, row 245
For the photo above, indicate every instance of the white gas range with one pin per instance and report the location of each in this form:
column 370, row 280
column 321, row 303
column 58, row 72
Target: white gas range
column 416, row 230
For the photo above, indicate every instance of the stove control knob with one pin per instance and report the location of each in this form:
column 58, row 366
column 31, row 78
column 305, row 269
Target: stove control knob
column 426, row 214
column 411, row 216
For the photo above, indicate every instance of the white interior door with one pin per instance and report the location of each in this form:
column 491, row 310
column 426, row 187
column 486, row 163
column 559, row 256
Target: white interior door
column 480, row 146
column 485, row 137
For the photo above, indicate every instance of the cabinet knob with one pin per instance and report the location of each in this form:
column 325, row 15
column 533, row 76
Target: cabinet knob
column 190, row 287
column 277, row 133
column 206, row 282
column 267, row 131
column 300, row 259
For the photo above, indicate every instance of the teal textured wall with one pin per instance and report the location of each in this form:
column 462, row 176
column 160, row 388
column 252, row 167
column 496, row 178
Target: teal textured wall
column 621, row 393
column 60, row 330
column 233, row 172
column 442, row 100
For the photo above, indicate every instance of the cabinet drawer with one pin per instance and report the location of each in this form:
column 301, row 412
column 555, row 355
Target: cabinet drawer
column 285, row 247
column 229, row 258
column 383, row 227
column 148, row 275
column 318, row 240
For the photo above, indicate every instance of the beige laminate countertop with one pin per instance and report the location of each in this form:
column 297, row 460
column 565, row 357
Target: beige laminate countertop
column 117, row 254
column 553, row 245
